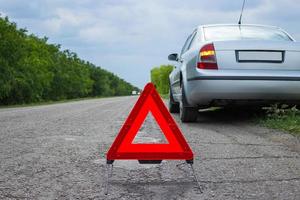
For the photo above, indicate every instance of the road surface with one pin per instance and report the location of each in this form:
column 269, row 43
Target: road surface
column 58, row 152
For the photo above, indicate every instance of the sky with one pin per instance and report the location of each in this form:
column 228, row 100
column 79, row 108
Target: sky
column 130, row 37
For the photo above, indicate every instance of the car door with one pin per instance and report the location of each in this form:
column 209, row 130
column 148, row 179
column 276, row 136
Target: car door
column 178, row 67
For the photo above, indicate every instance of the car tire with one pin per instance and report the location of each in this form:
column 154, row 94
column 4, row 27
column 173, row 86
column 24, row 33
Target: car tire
column 187, row 113
column 173, row 106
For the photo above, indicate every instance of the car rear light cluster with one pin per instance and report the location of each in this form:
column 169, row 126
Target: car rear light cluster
column 207, row 57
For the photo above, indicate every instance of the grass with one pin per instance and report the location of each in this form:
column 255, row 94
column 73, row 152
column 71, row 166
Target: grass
column 288, row 123
column 282, row 118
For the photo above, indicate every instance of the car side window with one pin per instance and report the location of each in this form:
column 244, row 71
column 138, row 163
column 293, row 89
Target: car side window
column 194, row 40
column 186, row 44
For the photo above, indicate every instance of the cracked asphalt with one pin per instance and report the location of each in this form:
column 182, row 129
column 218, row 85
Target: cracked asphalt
column 58, row 152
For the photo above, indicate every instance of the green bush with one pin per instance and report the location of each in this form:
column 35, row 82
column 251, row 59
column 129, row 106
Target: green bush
column 160, row 78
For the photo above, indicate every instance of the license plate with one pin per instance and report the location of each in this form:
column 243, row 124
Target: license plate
column 260, row 56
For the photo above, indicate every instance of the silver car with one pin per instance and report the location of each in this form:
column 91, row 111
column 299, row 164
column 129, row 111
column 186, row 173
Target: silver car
column 221, row 65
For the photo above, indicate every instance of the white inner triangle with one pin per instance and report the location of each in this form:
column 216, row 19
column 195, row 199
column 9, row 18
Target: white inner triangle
column 150, row 132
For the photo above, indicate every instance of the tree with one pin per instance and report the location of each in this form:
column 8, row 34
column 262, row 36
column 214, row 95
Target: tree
column 160, row 78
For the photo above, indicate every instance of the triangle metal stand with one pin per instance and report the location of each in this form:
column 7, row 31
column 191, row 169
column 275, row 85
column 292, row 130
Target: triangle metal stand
column 109, row 170
column 194, row 174
column 109, row 173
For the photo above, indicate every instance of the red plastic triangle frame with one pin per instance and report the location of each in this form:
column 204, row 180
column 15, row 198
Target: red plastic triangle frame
column 176, row 148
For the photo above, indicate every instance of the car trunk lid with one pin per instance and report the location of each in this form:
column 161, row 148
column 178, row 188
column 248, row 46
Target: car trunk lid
column 272, row 55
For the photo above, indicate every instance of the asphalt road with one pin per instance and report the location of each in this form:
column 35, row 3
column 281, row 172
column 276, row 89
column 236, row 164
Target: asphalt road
column 58, row 152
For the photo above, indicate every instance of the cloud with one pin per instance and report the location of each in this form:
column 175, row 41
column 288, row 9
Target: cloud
column 133, row 35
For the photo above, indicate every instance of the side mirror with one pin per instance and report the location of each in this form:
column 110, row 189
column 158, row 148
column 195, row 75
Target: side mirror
column 173, row 57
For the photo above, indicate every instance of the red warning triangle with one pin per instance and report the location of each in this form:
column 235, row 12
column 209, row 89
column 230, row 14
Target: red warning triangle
column 123, row 147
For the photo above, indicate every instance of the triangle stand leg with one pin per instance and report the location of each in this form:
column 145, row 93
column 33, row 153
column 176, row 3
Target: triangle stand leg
column 109, row 172
column 196, row 178
column 180, row 164
column 191, row 162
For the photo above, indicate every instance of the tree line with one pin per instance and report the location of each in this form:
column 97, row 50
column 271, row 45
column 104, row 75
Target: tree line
column 160, row 78
column 31, row 70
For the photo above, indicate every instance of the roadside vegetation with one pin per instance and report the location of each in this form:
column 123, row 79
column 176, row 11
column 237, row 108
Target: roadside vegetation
column 282, row 117
column 31, row 70
column 160, row 78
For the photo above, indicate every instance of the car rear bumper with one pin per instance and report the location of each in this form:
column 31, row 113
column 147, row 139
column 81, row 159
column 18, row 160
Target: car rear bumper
column 207, row 89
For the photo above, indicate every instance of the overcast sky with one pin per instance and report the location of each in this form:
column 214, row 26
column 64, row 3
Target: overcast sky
column 129, row 37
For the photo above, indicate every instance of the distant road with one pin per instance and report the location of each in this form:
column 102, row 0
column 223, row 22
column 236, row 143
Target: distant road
column 58, row 151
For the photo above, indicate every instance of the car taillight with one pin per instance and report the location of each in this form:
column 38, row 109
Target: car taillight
column 207, row 57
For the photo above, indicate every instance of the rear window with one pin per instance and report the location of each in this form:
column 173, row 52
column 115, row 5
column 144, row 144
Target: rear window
column 215, row 33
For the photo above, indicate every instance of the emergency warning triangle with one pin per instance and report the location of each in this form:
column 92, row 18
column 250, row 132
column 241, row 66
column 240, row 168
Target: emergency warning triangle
column 123, row 147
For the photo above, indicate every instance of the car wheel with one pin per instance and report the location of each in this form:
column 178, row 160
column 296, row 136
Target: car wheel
column 173, row 106
column 187, row 113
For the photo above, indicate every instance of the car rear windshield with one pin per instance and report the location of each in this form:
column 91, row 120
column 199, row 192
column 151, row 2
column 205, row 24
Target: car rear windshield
column 215, row 33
